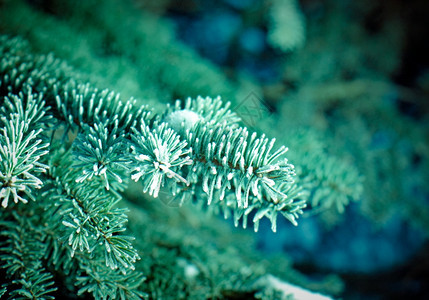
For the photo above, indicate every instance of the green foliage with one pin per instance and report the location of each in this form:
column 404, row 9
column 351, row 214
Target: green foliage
column 87, row 220
column 330, row 182
column 158, row 155
column 287, row 25
column 80, row 104
column 231, row 169
column 21, row 147
column 103, row 284
column 21, row 256
column 101, row 153
column 229, row 159
column 158, row 67
column 90, row 217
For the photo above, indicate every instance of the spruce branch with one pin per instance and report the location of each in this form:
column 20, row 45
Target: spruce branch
column 80, row 104
column 228, row 160
column 21, row 147
column 216, row 158
column 21, row 255
column 91, row 220
column 86, row 271
column 101, row 153
column 158, row 154
column 331, row 182
column 103, row 284
column 20, row 71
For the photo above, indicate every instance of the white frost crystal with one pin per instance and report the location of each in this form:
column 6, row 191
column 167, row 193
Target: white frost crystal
column 182, row 120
